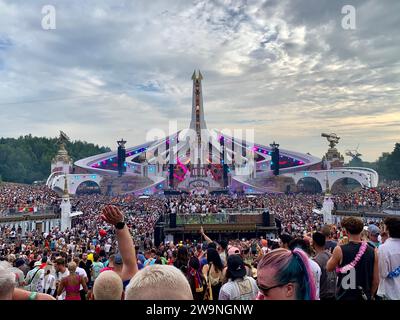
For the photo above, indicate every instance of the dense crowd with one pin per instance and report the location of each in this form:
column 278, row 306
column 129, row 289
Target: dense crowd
column 21, row 196
column 102, row 258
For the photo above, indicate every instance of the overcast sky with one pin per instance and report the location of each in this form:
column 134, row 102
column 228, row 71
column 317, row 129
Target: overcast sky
column 288, row 69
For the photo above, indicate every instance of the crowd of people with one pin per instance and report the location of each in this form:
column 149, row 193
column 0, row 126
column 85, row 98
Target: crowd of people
column 109, row 252
column 18, row 197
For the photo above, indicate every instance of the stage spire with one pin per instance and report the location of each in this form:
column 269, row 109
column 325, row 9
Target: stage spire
column 197, row 123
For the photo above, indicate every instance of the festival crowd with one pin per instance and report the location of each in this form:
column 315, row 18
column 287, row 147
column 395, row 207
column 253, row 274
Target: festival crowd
column 109, row 253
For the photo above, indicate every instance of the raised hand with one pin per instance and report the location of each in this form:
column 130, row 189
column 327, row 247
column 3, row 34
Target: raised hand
column 112, row 215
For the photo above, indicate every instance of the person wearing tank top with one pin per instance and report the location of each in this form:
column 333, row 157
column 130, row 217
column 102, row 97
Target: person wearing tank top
column 71, row 284
column 213, row 272
column 355, row 259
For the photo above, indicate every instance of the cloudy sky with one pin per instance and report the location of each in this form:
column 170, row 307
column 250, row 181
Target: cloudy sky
column 286, row 69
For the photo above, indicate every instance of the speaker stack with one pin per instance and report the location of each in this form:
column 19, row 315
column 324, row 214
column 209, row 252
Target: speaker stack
column 266, row 218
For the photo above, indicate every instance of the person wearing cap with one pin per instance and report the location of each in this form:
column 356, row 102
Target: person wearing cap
column 373, row 235
column 233, row 250
column 33, row 277
column 8, row 290
column 239, row 286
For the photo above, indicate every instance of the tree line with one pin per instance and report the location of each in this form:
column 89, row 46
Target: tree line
column 28, row 159
column 387, row 166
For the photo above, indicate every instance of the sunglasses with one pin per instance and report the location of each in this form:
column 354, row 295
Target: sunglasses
column 266, row 289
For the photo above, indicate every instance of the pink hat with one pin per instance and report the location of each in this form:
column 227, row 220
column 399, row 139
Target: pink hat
column 233, row 250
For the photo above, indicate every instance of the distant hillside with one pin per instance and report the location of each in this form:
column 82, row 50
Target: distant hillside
column 28, row 158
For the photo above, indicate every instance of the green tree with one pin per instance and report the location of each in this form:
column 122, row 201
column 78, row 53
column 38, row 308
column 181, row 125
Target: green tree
column 28, row 158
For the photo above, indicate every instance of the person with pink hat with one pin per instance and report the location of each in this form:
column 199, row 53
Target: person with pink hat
column 233, row 250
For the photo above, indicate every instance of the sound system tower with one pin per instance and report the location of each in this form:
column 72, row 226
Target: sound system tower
column 171, row 175
column 278, row 224
column 266, row 218
column 172, row 220
column 121, row 160
column 158, row 234
column 275, row 161
column 225, row 174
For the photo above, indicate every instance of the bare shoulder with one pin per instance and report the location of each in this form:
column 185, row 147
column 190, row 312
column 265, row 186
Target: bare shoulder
column 337, row 253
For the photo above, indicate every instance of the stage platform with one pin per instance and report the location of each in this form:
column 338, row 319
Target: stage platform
column 218, row 226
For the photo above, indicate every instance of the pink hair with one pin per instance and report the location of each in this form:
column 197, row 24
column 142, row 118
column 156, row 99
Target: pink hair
column 311, row 280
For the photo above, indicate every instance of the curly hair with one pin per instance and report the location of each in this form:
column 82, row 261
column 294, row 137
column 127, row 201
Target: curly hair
column 353, row 225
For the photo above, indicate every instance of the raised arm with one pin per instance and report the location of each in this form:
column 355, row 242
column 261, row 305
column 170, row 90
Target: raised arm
column 205, row 236
column 113, row 215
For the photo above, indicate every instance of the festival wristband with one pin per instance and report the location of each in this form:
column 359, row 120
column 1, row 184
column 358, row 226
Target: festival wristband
column 33, row 296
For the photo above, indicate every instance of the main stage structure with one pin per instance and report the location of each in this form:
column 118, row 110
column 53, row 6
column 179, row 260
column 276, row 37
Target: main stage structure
column 202, row 160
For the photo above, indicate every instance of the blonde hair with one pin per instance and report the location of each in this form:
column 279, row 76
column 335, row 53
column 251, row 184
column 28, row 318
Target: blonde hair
column 72, row 266
column 108, row 286
column 159, row 282
column 7, row 280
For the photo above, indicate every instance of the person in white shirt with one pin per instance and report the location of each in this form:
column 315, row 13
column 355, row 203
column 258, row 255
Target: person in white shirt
column 107, row 246
column 61, row 272
column 389, row 261
column 32, row 279
column 48, row 281
column 239, row 286
column 81, row 272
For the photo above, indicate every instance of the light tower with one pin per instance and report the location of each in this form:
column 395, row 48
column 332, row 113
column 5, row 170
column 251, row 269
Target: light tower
column 65, row 208
column 275, row 158
column 198, row 125
column 121, row 157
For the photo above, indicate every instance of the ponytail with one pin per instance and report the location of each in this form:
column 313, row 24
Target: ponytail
column 308, row 282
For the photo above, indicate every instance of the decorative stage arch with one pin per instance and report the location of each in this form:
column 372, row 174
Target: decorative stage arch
column 336, row 185
column 88, row 183
column 73, row 181
column 313, row 185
